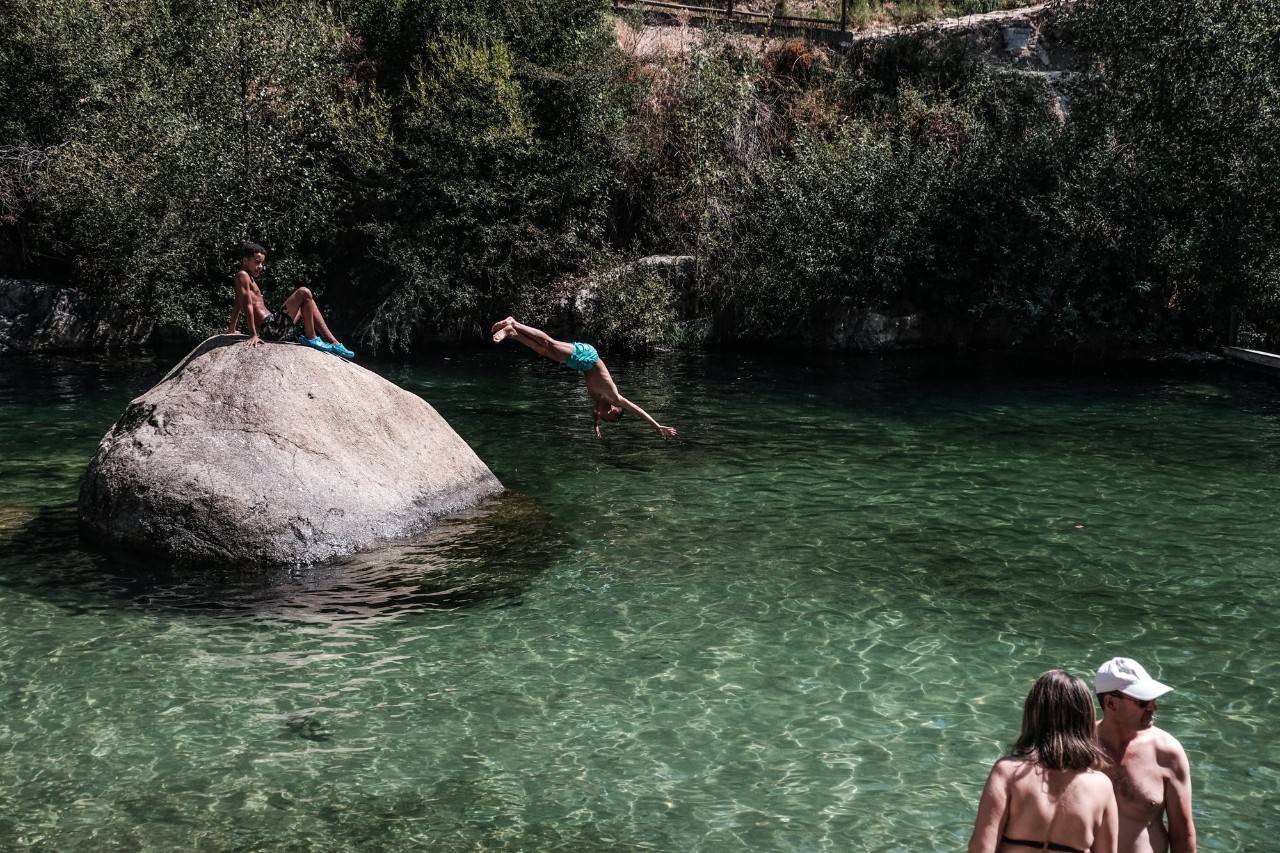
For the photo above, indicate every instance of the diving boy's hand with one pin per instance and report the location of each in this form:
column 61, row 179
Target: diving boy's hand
column 666, row 431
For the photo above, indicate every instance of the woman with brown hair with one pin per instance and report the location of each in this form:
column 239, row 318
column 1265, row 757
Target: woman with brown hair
column 1048, row 793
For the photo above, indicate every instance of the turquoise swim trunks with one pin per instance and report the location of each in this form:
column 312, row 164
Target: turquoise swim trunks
column 584, row 357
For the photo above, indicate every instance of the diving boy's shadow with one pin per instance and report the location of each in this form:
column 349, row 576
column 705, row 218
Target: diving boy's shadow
column 487, row 556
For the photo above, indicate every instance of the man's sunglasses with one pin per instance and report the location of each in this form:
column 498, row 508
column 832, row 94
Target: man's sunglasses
column 1144, row 704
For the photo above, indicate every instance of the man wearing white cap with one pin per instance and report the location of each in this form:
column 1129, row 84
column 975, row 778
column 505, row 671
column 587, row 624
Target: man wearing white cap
column 1150, row 771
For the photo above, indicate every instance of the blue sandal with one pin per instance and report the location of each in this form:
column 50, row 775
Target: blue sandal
column 315, row 343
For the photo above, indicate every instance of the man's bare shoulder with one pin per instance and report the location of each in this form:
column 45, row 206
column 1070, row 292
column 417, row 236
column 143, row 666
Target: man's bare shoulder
column 1167, row 747
column 242, row 278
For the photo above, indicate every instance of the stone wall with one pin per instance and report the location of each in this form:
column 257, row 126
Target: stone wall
column 36, row 317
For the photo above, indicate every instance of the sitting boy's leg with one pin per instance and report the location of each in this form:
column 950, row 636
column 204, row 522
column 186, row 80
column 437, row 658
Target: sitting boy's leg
column 301, row 306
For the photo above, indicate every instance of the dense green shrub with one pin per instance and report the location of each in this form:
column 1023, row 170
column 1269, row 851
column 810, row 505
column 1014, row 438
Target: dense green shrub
column 921, row 193
column 1171, row 181
column 409, row 160
column 958, row 190
column 636, row 308
column 480, row 162
column 696, row 127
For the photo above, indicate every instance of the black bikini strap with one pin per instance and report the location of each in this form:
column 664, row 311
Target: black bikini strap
column 1038, row 845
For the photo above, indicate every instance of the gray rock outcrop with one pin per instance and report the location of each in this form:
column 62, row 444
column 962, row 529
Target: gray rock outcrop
column 36, row 317
column 578, row 305
column 874, row 331
column 274, row 455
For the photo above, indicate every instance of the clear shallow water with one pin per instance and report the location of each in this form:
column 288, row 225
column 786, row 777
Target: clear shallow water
column 807, row 625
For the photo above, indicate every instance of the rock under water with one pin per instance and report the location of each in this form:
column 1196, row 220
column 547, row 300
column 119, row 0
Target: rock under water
column 273, row 455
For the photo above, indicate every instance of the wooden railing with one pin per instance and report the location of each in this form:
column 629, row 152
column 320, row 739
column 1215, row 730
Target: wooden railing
column 728, row 10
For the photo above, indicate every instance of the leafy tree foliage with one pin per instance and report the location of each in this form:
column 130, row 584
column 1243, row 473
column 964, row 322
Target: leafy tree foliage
column 425, row 166
column 1172, row 182
column 410, row 156
column 489, row 170
column 953, row 188
column 183, row 128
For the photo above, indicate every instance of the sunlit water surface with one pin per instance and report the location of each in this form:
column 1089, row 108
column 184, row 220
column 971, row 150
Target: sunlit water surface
column 807, row 624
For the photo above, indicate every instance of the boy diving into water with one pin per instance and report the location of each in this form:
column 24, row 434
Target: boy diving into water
column 283, row 325
column 606, row 403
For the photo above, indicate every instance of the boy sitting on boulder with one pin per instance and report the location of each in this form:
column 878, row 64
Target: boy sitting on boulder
column 283, row 325
column 606, row 403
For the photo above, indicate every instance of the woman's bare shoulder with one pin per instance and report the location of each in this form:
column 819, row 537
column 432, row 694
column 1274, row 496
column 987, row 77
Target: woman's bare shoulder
column 1097, row 780
column 1012, row 767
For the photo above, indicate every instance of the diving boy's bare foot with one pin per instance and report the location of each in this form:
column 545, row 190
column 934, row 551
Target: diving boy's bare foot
column 502, row 329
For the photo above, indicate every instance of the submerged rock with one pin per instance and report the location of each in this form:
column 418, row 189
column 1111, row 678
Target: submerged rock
column 14, row 519
column 273, row 455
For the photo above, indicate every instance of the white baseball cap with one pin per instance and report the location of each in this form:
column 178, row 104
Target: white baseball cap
column 1126, row 675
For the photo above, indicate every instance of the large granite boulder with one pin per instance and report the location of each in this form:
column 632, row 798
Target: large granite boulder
column 273, row 455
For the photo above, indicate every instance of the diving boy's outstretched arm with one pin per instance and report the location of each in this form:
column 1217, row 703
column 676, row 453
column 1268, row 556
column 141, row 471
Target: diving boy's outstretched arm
column 627, row 405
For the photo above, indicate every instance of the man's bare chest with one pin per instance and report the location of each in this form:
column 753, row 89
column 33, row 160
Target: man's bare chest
column 1139, row 786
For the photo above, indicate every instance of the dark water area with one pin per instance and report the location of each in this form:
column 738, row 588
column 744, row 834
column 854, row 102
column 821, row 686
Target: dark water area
column 807, row 624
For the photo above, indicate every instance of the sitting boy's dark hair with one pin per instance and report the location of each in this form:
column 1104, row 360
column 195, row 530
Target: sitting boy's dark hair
column 248, row 250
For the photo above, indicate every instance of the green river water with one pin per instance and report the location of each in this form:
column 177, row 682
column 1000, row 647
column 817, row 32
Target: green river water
column 808, row 624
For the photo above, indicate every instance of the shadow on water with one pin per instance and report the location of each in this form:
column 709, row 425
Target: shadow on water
column 485, row 557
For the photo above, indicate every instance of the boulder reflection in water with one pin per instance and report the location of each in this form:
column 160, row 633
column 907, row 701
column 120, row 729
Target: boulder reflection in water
column 487, row 555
